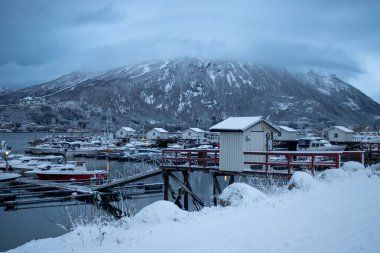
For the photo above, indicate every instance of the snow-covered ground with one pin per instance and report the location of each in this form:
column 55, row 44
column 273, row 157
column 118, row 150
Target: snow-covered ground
column 338, row 211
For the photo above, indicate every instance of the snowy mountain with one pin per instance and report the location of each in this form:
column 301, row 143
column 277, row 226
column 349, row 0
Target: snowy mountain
column 190, row 92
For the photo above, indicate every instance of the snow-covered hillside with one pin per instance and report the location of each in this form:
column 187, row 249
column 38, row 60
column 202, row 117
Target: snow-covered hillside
column 338, row 212
column 190, row 92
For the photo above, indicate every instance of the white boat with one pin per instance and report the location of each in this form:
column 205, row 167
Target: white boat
column 89, row 149
column 73, row 170
column 140, row 154
column 48, row 148
column 28, row 163
column 7, row 178
column 317, row 144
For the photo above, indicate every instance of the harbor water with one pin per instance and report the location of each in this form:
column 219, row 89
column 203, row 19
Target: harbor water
column 23, row 225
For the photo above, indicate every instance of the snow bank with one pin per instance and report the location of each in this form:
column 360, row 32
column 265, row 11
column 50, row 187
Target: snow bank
column 376, row 169
column 160, row 212
column 332, row 217
column 239, row 194
column 301, row 180
column 357, row 168
column 352, row 166
column 332, row 175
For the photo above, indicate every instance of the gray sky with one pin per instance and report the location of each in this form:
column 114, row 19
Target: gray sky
column 43, row 39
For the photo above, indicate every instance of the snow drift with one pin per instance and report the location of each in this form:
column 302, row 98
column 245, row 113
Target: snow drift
column 239, row 194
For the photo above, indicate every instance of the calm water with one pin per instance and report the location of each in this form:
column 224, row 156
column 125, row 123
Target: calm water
column 23, row 225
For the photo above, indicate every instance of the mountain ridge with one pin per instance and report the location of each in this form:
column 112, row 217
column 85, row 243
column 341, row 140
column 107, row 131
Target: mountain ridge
column 191, row 92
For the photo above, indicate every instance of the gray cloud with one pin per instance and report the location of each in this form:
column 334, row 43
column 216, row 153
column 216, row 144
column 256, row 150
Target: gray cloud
column 43, row 39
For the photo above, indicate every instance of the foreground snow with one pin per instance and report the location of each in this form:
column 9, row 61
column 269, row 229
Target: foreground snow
column 339, row 213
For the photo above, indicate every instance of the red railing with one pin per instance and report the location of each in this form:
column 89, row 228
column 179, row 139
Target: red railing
column 209, row 158
column 302, row 159
column 190, row 158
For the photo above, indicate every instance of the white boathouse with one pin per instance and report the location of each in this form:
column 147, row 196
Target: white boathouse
column 338, row 134
column 193, row 134
column 286, row 134
column 157, row 133
column 240, row 134
column 125, row 132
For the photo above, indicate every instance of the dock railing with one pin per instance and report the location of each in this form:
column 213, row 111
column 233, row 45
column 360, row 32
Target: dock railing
column 300, row 159
column 190, row 158
column 206, row 159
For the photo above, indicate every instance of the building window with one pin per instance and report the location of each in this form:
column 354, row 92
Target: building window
column 189, row 134
column 335, row 135
column 279, row 134
column 154, row 133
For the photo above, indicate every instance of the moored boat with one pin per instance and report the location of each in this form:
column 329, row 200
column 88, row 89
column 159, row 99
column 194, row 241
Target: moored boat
column 73, row 170
column 7, row 178
column 317, row 144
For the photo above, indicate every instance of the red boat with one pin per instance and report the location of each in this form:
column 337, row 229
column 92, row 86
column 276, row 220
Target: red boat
column 73, row 170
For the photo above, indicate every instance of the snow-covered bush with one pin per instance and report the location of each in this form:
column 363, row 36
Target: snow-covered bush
column 352, row 166
column 301, row 180
column 357, row 169
column 238, row 194
column 160, row 211
column 332, row 175
column 376, row 168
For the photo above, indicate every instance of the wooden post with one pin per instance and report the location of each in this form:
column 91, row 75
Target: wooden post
column 166, row 184
column 214, row 190
column 290, row 158
column 186, row 195
column 362, row 157
column 312, row 164
column 232, row 180
column 337, row 162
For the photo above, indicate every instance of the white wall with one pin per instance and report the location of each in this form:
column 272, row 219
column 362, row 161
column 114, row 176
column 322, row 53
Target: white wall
column 121, row 133
column 193, row 135
column 340, row 136
column 154, row 134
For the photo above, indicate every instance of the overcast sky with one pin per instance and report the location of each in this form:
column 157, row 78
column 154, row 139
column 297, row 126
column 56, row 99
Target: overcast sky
column 43, row 39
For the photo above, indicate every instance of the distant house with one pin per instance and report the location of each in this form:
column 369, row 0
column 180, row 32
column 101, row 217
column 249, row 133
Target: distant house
column 125, row 132
column 193, row 134
column 286, row 134
column 157, row 133
column 338, row 134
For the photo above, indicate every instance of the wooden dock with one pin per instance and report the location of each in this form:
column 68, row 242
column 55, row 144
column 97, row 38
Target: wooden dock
column 34, row 193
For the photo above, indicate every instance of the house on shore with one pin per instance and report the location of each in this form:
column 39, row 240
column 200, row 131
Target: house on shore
column 157, row 133
column 125, row 132
column 338, row 134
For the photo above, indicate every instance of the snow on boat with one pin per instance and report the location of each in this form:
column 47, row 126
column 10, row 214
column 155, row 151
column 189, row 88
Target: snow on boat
column 73, row 170
column 317, row 144
column 7, row 178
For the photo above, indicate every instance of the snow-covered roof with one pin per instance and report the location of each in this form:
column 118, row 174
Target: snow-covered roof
column 161, row 130
column 288, row 129
column 198, row 130
column 237, row 124
column 344, row 129
column 128, row 129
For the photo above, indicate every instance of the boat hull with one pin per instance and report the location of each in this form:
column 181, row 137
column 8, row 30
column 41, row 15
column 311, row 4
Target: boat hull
column 72, row 176
column 7, row 178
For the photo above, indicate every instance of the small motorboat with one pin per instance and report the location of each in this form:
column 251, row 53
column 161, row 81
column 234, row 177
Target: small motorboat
column 71, row 171
column 7, row 178
column 317, row 144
